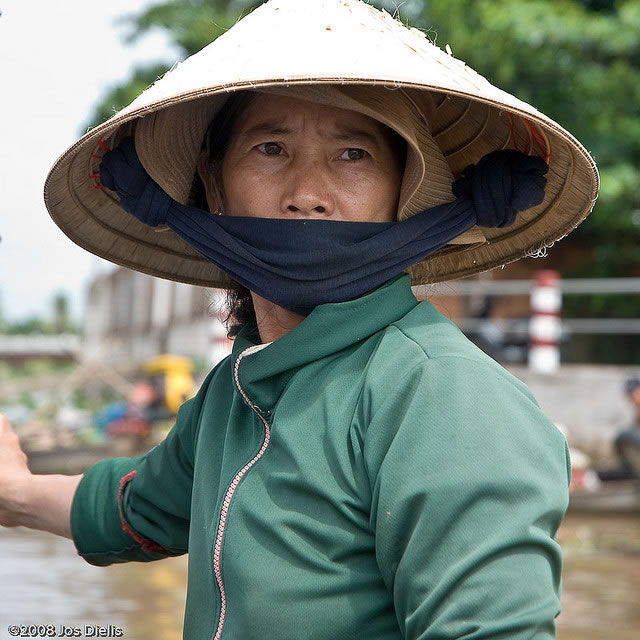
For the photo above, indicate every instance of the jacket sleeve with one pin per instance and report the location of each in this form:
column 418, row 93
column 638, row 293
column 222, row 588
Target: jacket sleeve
column 469, row 484
column 139, row 508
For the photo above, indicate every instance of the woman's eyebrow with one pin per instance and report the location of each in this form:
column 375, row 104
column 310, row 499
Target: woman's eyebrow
column 349, row 134
column 340, row 133
column 267, row 128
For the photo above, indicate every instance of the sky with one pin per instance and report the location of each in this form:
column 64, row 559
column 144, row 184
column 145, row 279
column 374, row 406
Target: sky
column 57, row 60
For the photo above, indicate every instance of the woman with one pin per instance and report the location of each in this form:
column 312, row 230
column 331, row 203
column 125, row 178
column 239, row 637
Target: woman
column 356, row 468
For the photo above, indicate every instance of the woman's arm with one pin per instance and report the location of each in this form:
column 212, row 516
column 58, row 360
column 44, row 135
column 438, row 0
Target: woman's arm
column 469, row 483
column 139, row 509
column 36, row 501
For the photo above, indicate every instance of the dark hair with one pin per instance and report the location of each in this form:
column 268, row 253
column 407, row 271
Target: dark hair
column 239, row 309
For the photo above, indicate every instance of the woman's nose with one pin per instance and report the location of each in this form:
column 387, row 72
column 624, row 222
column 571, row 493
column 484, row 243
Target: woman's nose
column 307, row 191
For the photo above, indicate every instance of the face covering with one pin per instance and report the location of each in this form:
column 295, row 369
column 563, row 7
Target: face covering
column 299, row 264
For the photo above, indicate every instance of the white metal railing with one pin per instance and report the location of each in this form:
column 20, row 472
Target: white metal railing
column 519, row 327
column 569, row 286
column 39, row 345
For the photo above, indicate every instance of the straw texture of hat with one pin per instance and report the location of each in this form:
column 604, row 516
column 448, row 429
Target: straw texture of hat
column 340, row 52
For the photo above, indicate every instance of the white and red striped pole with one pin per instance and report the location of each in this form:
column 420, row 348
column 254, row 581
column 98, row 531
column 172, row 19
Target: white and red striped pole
column 545, row 324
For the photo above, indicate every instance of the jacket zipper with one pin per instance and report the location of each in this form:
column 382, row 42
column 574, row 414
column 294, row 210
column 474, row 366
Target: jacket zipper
column 231, row 490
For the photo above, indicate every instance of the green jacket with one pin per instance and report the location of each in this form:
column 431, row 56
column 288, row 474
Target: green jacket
column 371, row 474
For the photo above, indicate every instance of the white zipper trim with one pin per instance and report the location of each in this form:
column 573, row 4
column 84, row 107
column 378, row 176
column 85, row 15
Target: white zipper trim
column 232, row 487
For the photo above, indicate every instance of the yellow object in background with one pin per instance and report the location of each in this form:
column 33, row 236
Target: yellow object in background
column 172, row 376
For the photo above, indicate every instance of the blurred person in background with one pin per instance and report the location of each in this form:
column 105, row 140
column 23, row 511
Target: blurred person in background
column 627, row 442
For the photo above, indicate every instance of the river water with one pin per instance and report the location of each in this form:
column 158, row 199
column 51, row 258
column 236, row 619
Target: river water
column 43, row 581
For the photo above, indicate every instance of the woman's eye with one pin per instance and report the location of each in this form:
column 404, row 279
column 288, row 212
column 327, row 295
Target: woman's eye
column 270, row 148
column 353, row 154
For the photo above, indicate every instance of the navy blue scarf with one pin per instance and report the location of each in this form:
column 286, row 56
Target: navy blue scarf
column 299, row 264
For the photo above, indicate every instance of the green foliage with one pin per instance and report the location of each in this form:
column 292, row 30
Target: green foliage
column 192, row 24
column 60, row 321
column 79, row 399
column 12, row 371
column 121, row 96
column 27, row 400
column 28, row 326
column 578, row 62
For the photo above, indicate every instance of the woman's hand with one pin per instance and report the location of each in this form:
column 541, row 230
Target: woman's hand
column 35, row 501
column 14, row 476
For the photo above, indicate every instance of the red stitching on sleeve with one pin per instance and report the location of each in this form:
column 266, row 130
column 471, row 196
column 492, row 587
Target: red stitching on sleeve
column 146, row 544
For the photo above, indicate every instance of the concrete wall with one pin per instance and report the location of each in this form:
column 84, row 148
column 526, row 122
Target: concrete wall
column 132, row 317
column 588, row 401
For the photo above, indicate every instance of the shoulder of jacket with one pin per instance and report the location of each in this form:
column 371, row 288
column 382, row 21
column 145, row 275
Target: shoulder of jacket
column 428, row 335
column 425, row 340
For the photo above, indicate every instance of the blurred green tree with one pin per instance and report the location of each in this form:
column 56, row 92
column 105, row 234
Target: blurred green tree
column 60, row 320
column 578, row 62
column 3, row 321
column 190, row 24
column 27, row 326
column 61, row 314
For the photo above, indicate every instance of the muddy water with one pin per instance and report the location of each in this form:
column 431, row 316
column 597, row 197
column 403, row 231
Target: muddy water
column 42, row 581
column 601, row 578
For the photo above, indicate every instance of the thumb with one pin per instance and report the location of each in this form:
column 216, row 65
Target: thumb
column 5, row 425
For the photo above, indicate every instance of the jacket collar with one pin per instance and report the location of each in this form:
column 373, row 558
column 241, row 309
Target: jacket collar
column 329, row 328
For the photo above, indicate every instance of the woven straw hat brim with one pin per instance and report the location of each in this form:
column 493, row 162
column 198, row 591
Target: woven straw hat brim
column 336, row 42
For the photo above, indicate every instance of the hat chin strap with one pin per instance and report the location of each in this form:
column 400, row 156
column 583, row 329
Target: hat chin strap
column 299, row 263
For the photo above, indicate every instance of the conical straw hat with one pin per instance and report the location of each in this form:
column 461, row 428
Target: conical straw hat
column 320, row 49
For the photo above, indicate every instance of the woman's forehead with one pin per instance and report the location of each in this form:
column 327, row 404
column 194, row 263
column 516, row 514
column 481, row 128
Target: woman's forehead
column 284, row 115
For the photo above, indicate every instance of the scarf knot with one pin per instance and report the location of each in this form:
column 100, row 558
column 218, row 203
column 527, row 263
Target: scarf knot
column 502, row 184
column 122, row 172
